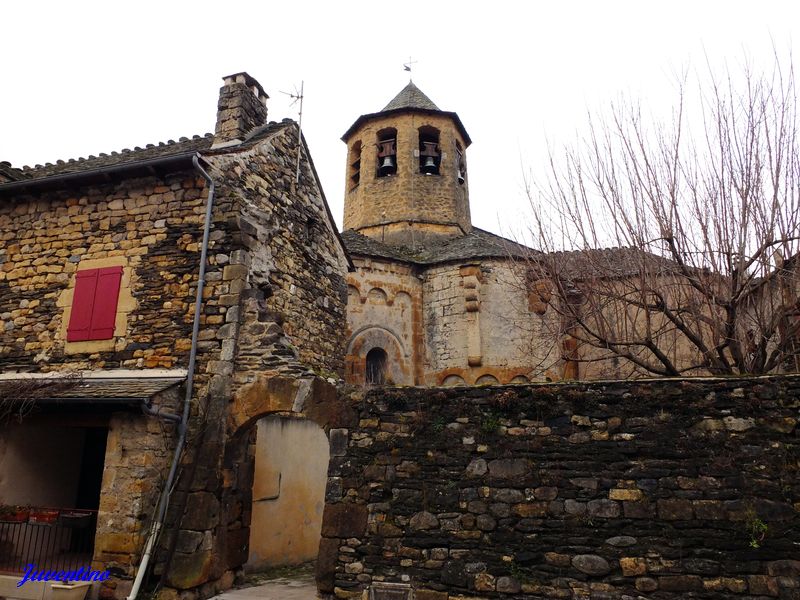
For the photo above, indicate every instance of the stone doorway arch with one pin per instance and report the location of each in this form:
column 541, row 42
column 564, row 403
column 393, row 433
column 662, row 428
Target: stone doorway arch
column 310, row 401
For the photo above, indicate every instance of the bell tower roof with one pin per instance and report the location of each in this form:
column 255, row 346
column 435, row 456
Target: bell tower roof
column 410, row 100
column 411, row 97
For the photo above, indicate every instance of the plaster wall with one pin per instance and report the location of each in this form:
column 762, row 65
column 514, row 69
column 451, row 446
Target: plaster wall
column 291, row 467
column 40, row 464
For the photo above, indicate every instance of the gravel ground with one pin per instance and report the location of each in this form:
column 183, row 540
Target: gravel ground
column 284, row 584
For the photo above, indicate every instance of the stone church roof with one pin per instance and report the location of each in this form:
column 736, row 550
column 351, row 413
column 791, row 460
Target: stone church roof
column 411, row 97
column 474, row 245
column 607, row 263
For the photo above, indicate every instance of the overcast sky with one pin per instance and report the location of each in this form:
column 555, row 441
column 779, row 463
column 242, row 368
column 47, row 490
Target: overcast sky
column 82, row 78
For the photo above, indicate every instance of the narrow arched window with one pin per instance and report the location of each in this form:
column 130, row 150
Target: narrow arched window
column 376, row 366
column 355, row 164
column 461, row 164
column 387, row 152
column 429, row 154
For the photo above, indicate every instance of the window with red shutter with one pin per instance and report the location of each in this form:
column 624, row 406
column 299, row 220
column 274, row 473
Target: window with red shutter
column 94, row 304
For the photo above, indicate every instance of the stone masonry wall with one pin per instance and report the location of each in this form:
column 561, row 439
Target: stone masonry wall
column 284, row 309
column 494, row 339
column 650, row 489
column 274, row 302
column 152, row 227
column 384, row 310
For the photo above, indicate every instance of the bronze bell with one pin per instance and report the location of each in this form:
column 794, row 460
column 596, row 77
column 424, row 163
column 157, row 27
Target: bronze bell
column 429, row 168
column 387, row 166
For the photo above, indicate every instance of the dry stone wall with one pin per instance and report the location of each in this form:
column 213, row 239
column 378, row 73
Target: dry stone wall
column 654, row 489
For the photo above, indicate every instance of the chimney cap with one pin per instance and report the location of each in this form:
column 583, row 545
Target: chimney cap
column 249, row 81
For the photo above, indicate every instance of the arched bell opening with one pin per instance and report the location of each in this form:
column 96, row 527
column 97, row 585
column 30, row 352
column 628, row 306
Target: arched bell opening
column 430, row 155
column 387, row 152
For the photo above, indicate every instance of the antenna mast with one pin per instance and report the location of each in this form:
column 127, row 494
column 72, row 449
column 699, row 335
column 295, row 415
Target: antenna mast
column 298, row 97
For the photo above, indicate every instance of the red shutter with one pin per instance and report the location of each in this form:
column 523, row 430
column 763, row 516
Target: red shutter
column 80, row 320
column 104, row 314
column 94, row 304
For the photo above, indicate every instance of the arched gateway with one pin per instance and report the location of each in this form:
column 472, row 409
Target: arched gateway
column 275, row 469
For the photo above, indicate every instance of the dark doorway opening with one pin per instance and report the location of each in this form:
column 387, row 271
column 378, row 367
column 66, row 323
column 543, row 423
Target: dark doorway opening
column 376, row 366
column 92, row 462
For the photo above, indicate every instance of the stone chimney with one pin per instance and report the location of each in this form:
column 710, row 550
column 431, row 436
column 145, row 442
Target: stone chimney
column 242, row 107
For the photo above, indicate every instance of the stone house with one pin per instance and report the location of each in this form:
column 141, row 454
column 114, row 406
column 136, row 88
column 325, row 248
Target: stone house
column 433, row 300
column 157, row 305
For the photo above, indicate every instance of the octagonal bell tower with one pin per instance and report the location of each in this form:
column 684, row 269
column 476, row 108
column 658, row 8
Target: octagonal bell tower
column 407, row 173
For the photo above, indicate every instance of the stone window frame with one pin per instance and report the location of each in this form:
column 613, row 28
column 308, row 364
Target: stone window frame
column 461, row 164
column 125, row 306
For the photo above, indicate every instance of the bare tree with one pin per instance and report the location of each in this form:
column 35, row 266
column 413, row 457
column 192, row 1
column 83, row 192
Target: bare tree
column 672, row 248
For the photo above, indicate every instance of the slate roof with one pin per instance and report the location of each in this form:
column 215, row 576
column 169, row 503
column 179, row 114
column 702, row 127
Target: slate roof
column 606, row 263
column 151, row 151
column 474, row 245
column 9, row 172
column 575, row 265
column 411, row 97
column 107, row 389
column 127, row 156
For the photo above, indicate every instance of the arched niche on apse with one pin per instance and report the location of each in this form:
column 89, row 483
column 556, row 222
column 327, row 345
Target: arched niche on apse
column 397, row 367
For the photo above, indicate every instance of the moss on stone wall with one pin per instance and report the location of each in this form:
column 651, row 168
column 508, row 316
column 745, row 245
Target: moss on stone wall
column 570, row 491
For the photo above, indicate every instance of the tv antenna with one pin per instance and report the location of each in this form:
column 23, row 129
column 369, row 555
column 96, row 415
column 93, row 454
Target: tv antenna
column 297, row 97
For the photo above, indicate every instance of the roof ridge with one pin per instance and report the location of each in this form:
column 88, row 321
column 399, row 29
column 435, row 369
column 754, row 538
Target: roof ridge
column 123, row 151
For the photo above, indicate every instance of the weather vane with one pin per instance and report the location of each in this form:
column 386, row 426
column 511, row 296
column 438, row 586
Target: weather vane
column 407, row 66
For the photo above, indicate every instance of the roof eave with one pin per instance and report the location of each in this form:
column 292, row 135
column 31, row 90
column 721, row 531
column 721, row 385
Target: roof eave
column 425, row 111
column 152, row 166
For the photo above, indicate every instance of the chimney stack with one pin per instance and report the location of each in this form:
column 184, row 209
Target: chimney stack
column 242, row 107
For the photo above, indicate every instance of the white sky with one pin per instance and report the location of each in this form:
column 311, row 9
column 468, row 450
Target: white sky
column 83, row 77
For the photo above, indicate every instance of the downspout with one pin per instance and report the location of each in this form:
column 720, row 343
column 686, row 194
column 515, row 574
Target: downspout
column 163, row 501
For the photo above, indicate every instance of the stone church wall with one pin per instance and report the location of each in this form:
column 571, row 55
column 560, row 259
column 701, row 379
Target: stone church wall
column 479, row 328
column 388, row 294
column 658, row 489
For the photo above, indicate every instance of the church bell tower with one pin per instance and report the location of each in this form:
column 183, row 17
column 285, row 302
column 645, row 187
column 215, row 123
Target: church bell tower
column 407, row 173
